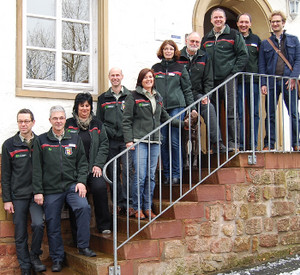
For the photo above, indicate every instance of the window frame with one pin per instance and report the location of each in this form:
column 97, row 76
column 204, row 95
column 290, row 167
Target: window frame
column 101, row 65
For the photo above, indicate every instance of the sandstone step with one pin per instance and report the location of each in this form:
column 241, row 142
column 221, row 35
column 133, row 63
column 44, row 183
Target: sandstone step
column 181, row 210
column 160, row 229
column 203, row 192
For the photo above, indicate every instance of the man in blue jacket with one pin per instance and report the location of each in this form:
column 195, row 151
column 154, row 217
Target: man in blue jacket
column 271, row 63
column 17, row 193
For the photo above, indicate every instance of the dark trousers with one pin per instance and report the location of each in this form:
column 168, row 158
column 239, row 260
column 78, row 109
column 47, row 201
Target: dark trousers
column 53, row 205
column 22, row 207
column 97, row 187
column 290, row 100
column 233, row 125
column 116, row 147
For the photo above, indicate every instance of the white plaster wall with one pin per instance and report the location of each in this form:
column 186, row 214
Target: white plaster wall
column 132, row 44
column 133, row 28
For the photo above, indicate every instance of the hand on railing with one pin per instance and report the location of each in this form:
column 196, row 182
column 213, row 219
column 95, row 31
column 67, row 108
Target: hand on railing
column 264, row 90
column 128, row 144
column 291, row 83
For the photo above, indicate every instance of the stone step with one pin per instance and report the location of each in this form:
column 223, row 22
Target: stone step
column 137, row 248
column 76, row 264
column 204, row 192
column 160, row 229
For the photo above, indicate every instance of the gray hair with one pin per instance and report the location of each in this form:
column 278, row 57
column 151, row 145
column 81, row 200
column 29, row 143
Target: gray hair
column 218, row 9
column 57, row 108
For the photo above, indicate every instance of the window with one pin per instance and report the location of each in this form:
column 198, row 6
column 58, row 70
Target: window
column 59, row 43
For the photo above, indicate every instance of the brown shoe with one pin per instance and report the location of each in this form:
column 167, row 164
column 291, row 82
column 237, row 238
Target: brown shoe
column 139, row 213
column 150, row 213
column 131, row 212
column 296, row 148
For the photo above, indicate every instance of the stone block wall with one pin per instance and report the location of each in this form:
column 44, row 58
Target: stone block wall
column 257, row 220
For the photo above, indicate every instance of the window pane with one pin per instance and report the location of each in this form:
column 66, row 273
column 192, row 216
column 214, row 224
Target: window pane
column 75, row 37
column 40, row 65
column 75, row 68
column 40, row 32
column 76, row 9
column 44, row 7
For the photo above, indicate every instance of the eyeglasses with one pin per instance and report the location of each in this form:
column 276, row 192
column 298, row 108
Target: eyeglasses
column 58, row 118
column 194, row 41
column 276, row 21
column 24, row 121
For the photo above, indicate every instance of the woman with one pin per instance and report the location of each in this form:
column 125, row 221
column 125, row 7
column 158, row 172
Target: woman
column 142, row 114
column 173, row 83
column 95, row 141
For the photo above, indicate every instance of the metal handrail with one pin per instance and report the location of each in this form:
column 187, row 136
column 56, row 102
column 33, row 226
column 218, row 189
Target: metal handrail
column 228, row 156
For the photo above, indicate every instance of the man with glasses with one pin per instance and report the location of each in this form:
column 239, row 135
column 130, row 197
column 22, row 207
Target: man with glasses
column 17, row 193
column 272, row 64
column 199, row 67
column 60, row 172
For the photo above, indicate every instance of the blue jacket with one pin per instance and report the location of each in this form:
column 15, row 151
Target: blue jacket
column 268, row 57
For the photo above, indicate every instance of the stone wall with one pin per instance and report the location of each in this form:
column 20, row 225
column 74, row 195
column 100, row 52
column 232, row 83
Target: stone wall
column 257, row 220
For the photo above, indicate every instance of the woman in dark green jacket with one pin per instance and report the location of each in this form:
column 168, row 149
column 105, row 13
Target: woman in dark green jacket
column 172, row 81
column 95, row 141
column 143, row 113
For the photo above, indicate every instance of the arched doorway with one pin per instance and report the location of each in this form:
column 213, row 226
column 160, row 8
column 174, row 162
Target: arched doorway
column 260, row 11
column 260, row 8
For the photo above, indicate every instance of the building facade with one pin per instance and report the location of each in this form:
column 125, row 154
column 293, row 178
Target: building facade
column 126, row 34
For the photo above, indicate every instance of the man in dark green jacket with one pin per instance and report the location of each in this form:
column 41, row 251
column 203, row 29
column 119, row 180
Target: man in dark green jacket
column 229, row 55
column 199, row 66
column 60, row 172
column 17, row 193
column 110, row 109
column 253, row 44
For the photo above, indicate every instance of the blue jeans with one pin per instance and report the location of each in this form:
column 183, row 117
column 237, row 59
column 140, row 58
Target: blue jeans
column 175, row 168
column 20, row 218
column 142, row 192
column 53, row 205
column 256, row 99
column 292, row 110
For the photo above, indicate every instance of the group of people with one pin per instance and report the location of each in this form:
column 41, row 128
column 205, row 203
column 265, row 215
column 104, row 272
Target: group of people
column 42, row 173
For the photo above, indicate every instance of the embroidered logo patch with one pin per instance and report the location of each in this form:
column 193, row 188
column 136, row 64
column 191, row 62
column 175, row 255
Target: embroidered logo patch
column 68, row 151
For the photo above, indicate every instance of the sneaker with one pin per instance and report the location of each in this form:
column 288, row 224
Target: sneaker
column 36, row 263
column 106, row 231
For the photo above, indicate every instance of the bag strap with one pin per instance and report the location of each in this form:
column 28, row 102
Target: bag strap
column 280, row 54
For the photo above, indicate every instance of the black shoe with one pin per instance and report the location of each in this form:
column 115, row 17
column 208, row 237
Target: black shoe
column 57, row 266
column 26, row 271
column 87, row 252
column 36, row 263
column 175, row 181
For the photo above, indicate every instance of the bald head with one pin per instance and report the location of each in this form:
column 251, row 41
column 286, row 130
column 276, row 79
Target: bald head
column 115, row 77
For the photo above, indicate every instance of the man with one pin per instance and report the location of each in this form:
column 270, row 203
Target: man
column 270, row 63
column 229, row 55
column 17, row 193
column 60, row 172
column 199, row 67
column 110, row 111
column 253, row 44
